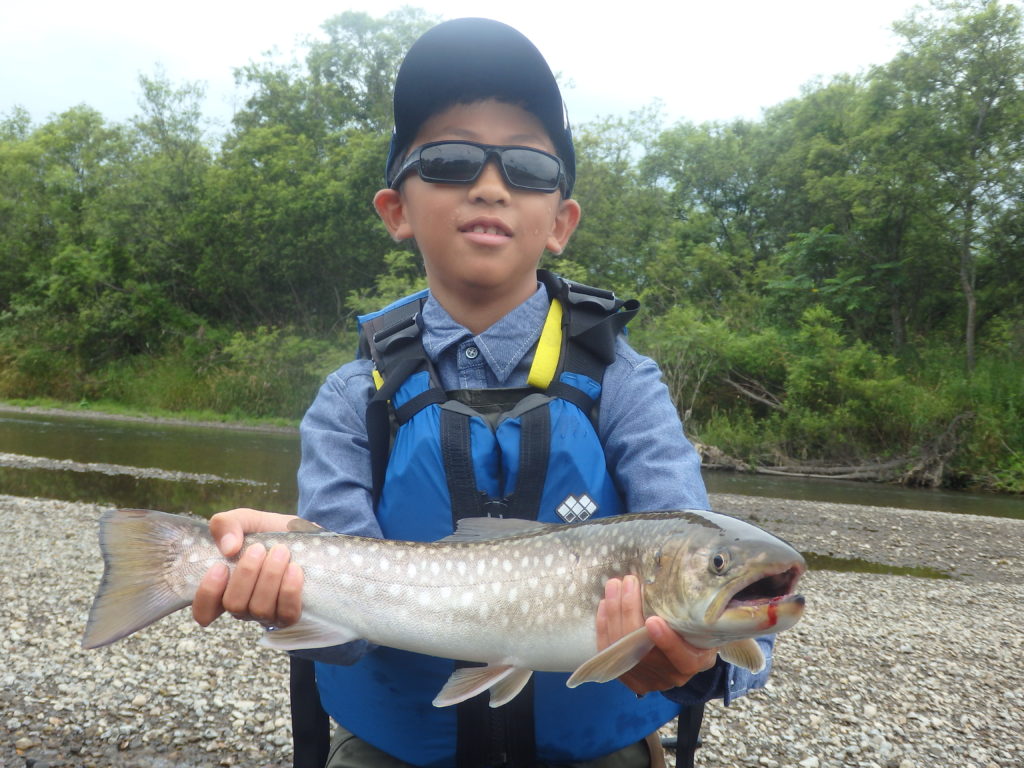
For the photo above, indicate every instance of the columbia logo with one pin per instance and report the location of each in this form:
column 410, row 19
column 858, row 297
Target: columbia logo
column 575, row 510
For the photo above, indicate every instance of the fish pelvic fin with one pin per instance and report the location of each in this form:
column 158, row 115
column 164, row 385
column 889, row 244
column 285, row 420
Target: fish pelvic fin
column 307, row 632
column 615, row 660
column 743, row 653
column 503, row 680
column 134, row 591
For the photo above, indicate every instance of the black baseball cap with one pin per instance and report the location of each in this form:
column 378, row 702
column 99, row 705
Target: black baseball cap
column 466, row 60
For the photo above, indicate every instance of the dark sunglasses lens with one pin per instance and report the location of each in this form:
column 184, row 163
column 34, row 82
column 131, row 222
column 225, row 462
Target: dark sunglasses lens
column 451, row 162
column 530, row 170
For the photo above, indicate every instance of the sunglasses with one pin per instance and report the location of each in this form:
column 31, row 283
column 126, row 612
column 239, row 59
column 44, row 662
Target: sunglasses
column 462, row 162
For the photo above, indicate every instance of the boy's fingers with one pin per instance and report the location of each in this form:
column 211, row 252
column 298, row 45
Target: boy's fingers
column 613, row 608
column 243, row 580
column 264, row 598
column 289, row 600
column 228, row 528
column 632, row 604
column 207, row 605
column 683, row 660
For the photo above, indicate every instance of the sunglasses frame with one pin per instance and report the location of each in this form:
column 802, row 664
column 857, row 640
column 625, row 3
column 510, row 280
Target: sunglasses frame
column 412, row 162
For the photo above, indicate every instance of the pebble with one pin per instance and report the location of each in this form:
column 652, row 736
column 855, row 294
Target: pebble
column 884, row 671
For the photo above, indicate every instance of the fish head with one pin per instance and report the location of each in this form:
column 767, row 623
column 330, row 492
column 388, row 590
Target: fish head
column 722, row 579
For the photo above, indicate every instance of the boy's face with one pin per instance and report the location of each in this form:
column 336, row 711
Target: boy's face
column 480, row 241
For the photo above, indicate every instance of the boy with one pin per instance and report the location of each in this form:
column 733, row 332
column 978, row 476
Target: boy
column 480, row 174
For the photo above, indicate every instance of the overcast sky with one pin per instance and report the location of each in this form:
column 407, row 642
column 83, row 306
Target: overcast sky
column 709, row 60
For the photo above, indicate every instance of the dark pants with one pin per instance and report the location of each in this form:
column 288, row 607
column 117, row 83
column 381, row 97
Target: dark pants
column 348, row 751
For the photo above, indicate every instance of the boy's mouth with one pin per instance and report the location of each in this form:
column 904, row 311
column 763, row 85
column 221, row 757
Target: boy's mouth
column 486, row 227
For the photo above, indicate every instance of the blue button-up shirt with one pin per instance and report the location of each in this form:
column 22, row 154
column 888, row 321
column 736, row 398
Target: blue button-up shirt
column 653, row 464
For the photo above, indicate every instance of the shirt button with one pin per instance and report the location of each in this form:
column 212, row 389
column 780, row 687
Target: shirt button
column 472, row 352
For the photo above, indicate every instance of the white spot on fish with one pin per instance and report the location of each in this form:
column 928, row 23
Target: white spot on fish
column 357, row 559
column 411, row 570
column 525, row 563
column 394, row 590
column 297, row 546
column 466, row 598
column 461, row 567
column 549, row 590
column 548, row 560
column 524, row 607
column 532, row 582
column 194, row 557
column 332, row 550
column 507, row 566
column 423, row 599
column 512, row 594
column 435, row 568
column 481, row 566
column 384, row 564
column 446, row 592
column 560, row 610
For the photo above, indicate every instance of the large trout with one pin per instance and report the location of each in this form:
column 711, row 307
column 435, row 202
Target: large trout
column 520, row 596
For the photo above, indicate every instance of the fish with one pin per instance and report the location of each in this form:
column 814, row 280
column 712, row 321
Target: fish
column 519, row 596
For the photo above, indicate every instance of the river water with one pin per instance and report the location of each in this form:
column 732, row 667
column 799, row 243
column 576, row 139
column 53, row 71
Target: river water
column 203, row 470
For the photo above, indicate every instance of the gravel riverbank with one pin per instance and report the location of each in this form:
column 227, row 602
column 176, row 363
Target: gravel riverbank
column 885, row 671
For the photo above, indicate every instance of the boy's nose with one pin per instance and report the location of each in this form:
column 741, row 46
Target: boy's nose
column 490, row 185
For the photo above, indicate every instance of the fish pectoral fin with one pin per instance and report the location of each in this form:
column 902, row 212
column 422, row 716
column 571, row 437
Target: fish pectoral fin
column 467, row 682
column 743, row 653
column 307, row 632
column 615, row 660
column 509, row 687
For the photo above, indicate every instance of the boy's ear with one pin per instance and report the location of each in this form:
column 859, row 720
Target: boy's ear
column 391, row 209
column 566, row 221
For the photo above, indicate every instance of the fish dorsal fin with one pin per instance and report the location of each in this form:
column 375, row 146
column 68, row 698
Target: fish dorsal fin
column 743, row 653
column 487, row 528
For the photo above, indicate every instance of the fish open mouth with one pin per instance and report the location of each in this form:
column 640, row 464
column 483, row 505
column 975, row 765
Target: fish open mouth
column 767, row 588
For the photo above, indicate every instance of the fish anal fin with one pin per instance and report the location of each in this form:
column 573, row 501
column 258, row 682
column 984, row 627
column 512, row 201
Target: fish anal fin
column 508, row 688
column 467, row 682
column 307, row 632
column 615, row 660
column 743, row 653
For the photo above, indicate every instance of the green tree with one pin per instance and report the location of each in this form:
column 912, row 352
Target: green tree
column 960, row 78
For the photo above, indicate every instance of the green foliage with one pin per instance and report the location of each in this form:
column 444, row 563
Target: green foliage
column 838, row 281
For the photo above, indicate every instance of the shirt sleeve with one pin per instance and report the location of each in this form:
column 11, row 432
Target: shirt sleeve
column 334, row 473
column 653, row 464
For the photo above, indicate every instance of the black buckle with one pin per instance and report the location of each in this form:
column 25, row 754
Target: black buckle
column 400, row 333
column 582, row 295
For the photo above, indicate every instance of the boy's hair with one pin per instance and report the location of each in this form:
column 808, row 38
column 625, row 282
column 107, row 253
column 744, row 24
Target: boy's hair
column 468, row 60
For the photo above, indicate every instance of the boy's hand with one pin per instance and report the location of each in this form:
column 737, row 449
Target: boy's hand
column 264, row 587
column 671, row 663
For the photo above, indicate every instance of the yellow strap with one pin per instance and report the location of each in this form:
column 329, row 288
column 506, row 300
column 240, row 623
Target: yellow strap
column 549, row 348
column 378, row 380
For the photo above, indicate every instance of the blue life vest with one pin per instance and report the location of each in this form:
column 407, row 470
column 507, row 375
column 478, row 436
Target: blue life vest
column 530, row 453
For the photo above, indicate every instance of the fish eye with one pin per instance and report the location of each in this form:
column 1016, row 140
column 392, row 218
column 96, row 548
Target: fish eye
column 719, row 562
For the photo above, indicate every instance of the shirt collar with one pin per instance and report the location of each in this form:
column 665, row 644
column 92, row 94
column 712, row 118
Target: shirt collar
column 502, row 346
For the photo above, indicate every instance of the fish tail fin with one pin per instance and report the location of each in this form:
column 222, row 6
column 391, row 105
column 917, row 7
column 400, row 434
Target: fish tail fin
column 138, row 549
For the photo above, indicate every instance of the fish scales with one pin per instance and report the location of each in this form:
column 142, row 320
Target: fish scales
column 509, row 593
